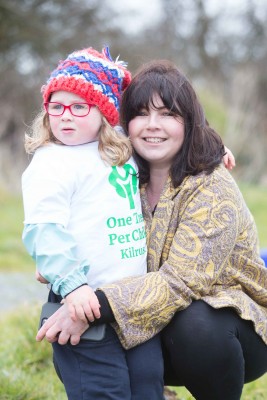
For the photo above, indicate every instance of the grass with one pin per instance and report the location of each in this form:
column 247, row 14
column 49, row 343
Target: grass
column 215, row 110
column 256, row 390
column 26, row 366
column 13, row 256
column 256, row 199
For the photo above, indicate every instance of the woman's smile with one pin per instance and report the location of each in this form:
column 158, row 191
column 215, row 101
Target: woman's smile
column 156, row 134
column 154, row 139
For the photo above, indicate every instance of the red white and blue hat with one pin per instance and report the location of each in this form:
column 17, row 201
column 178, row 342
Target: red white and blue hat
column 95, row 77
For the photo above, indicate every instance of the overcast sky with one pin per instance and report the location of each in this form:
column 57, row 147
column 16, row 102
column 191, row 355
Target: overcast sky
column 145, row 13
column 141, row 12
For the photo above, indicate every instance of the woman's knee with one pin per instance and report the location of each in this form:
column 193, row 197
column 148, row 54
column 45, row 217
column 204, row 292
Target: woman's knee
column 203, row 336
column 189, row 326
column 204, row 354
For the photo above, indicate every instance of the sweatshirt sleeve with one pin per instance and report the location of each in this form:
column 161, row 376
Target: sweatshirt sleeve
column 54, row 250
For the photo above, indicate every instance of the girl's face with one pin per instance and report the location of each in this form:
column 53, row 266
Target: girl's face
column 156, row 134
column 72, row 130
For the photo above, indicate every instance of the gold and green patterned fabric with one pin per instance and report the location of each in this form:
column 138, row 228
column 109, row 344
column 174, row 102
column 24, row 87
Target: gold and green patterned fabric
column 202, row 244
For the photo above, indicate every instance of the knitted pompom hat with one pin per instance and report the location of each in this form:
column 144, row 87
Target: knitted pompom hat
column 95, row 77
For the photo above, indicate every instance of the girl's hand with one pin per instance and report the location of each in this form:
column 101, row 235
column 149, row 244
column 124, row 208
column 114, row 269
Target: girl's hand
column 228, row 159
column 83, row 304
column 40, row 278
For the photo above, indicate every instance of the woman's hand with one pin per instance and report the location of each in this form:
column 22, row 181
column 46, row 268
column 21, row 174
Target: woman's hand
column 228, row 159
column 61, row 328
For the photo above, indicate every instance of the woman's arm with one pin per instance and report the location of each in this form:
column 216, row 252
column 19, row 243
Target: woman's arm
column 206, row 233
column 207, row 228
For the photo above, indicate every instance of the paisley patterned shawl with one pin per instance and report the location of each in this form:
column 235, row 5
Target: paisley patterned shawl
column 202, row 244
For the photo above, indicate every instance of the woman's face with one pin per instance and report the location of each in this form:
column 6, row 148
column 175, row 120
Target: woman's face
column 157, row 134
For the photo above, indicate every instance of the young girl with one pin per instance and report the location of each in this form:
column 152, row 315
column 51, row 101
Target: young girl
column 83, row 221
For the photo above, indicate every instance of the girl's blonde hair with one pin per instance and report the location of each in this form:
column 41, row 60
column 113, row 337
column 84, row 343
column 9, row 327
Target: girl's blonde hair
column 114, row 147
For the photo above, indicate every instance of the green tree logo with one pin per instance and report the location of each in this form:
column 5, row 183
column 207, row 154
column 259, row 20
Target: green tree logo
column 125, row 183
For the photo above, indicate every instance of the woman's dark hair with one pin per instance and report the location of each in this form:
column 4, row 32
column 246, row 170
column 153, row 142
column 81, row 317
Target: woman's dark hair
column 202, row 149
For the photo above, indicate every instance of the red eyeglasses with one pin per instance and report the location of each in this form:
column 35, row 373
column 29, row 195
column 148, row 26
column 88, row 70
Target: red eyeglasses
column 76, row 109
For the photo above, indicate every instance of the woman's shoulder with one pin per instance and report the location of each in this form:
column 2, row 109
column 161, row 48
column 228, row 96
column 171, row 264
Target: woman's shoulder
column 219, row 182
column 219, row 176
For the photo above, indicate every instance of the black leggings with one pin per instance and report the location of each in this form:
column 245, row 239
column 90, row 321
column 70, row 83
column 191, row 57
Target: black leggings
column 212, row 352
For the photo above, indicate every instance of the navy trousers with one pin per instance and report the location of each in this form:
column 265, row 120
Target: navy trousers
column 103, row 370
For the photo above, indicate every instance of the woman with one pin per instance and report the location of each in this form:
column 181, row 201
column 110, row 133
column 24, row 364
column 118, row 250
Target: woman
column 206, row 290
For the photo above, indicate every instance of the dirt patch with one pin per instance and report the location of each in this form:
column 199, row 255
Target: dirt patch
column 18, row 289
column 170, row 394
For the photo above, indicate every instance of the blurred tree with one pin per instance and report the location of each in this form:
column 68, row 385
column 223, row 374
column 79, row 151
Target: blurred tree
column 34, row 35
column 223, row 48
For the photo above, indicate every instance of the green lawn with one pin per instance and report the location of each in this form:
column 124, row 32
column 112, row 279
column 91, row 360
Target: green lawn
column 256, row 390
column 26, row 370
column 256, row 199
column 13, row 256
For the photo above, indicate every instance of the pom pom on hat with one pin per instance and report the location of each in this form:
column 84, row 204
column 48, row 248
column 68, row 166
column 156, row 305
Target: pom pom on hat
column 95, row 77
